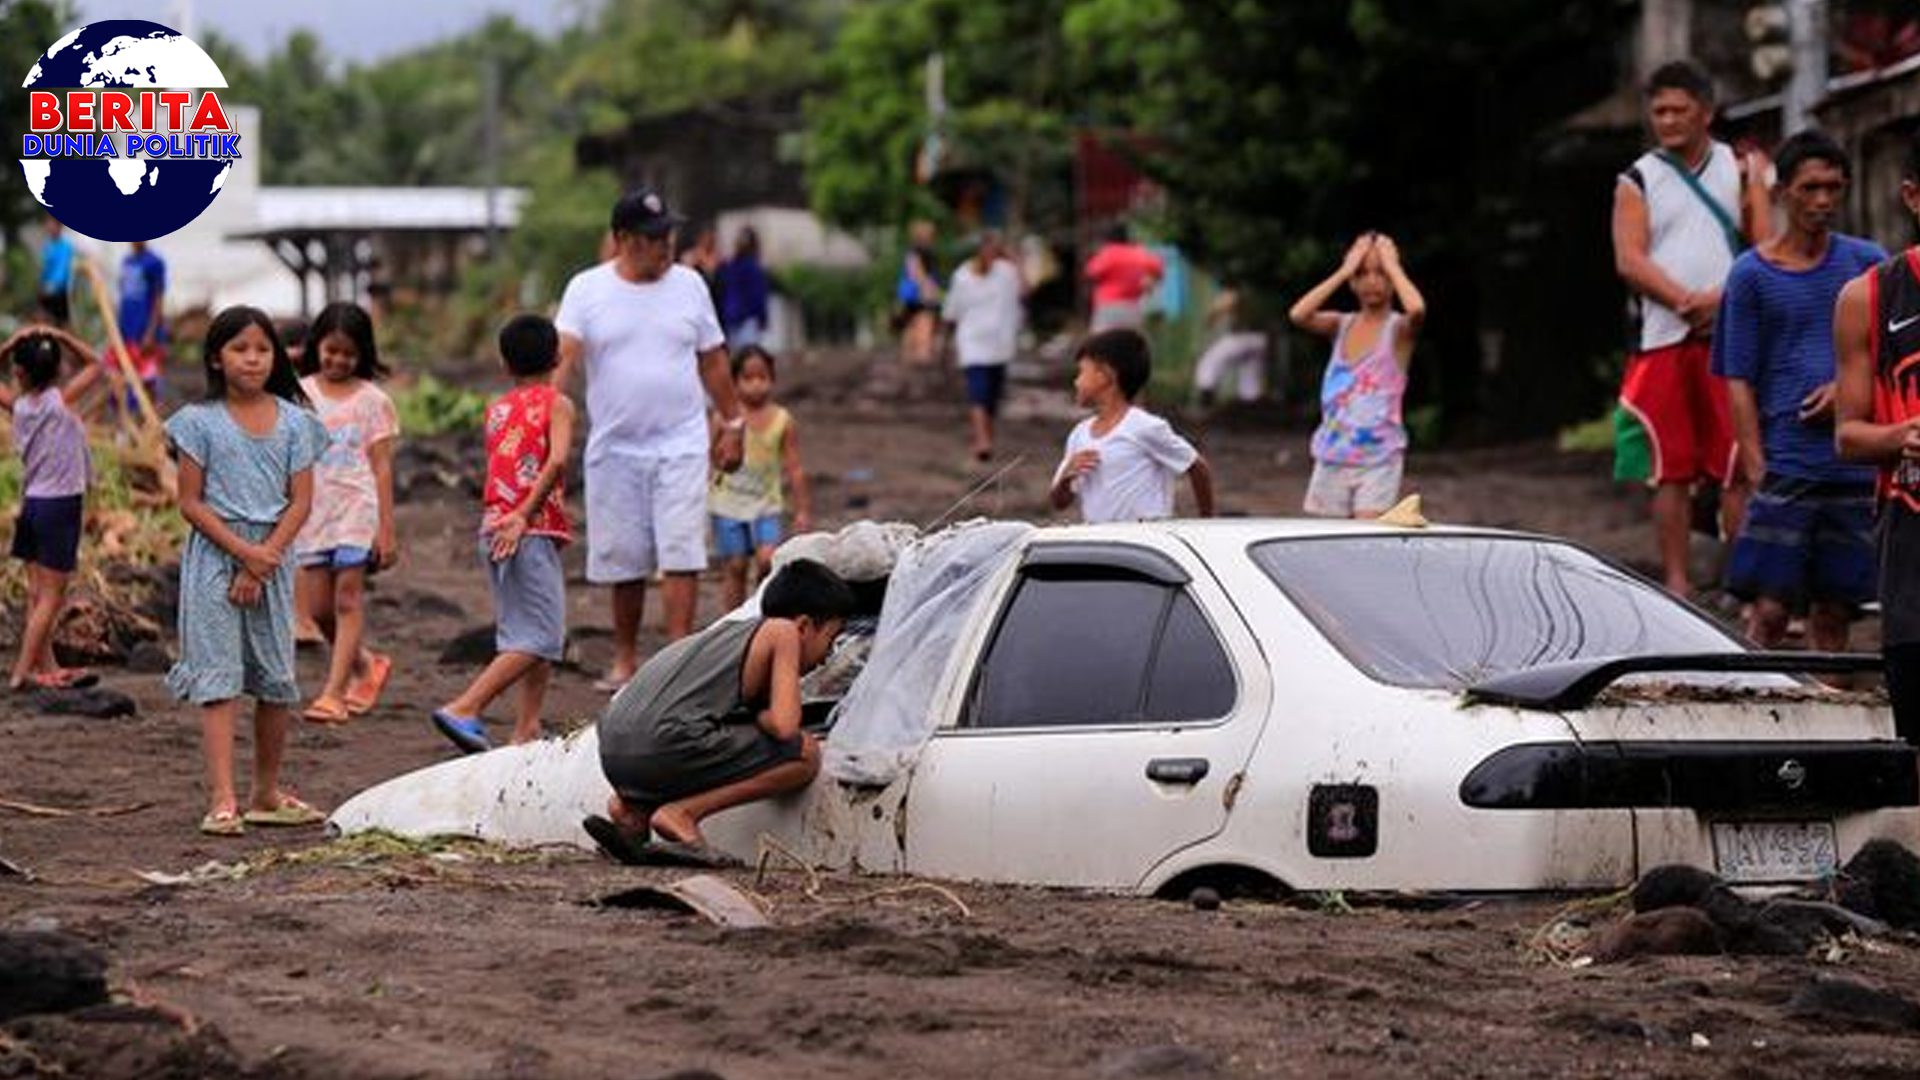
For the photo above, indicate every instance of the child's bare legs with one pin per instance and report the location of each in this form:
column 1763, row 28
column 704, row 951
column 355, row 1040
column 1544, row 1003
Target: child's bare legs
column 46, row 591
column 733, row 588
column 533, row 694
column 306, row 584
column 629, row 607
column 506, row 669
column 216, row 748
column 982, row 424
column 348, row 589
column 762, row 562
column 680, row 820
column 269, row 748
column 917, row 343
column 1672, row 521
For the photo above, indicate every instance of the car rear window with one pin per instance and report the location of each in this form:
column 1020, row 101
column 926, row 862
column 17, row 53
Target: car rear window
column 1448, row 611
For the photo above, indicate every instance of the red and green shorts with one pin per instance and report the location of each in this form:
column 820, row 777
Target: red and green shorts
column 1672, row 425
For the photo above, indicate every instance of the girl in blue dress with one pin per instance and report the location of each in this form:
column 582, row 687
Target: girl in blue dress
column 246, row 458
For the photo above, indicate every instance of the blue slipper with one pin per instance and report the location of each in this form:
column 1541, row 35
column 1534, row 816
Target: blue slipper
column 465, row 732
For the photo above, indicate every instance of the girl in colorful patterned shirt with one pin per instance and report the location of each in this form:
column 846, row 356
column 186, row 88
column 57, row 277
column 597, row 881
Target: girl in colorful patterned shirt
column 350, row 533
column 747, row 503
column 1360, row 449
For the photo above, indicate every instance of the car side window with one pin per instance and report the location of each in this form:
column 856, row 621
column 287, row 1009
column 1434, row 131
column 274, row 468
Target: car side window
column 1100, row 647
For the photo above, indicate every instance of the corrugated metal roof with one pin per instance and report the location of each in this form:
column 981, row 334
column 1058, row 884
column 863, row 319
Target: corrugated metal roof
column 376, row 209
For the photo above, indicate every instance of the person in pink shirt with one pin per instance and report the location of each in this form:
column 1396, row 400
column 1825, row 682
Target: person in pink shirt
column 350, row 533
column 1122, row 273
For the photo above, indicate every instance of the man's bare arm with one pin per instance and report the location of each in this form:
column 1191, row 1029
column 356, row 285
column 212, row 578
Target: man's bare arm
column 571, row 350
column 1855, row 434
column 1632, row 239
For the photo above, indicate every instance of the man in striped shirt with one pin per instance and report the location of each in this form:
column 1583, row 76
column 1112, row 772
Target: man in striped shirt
column 1806, row 546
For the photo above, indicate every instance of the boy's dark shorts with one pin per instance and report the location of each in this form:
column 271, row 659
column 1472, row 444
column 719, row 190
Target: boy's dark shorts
column 985, row 385
column 1806, row 541
column 685, row 757
column 48, row 532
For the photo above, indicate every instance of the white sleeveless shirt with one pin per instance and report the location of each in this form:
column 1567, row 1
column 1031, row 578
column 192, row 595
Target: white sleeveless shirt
column 1685, row 239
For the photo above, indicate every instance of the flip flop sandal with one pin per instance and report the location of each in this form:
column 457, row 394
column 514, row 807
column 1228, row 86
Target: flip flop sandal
column 675, row 853
column 364, row 694
column 223, row 823
column 607, row 684
column 465, row 732
column 325, row 710
column 615, row 842
column 291, row 812
column 74, row 678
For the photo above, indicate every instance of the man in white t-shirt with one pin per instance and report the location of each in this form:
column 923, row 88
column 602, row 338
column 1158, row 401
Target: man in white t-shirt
column 1121, row 462
column 646, row 332
column 984, row 305
column 1681, row 213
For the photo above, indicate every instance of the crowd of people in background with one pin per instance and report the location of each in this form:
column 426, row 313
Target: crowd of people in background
column 1770, row 372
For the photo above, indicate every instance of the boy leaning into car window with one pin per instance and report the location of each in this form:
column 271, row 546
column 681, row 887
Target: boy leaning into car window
column 713, row 720
column 1122, row 462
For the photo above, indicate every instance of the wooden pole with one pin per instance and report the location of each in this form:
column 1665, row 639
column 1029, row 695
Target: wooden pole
column 150, row 429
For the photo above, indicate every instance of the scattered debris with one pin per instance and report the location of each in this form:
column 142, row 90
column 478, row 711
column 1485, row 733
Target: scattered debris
column 48, row 971
column 36, row 810
column 1169, row 1061
column 713, row 899
column 9, row 868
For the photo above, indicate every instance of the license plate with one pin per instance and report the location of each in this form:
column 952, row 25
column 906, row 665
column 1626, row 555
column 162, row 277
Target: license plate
column 1774, row 850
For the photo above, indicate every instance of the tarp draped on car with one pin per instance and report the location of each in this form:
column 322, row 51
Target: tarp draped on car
column 889, row 712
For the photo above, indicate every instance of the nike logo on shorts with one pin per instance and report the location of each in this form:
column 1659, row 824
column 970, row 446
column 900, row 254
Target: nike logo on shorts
column 1895, row 327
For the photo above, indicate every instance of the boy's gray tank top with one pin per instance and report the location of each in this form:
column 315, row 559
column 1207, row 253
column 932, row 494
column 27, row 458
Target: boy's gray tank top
column 696, row 677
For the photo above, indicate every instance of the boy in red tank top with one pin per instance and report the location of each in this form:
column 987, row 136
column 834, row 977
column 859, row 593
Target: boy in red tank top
column 529, row 439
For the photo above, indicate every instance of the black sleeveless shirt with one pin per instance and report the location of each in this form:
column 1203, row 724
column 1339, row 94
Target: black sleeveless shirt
column 1893, row 311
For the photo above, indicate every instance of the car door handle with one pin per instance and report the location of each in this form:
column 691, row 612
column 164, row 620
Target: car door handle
column 1177, row 770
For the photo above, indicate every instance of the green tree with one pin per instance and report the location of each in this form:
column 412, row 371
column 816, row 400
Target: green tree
column 27, row 27
column 1009, row 88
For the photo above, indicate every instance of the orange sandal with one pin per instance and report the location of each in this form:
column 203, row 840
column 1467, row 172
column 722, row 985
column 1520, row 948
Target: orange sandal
column 325, row 710
column 364, row 694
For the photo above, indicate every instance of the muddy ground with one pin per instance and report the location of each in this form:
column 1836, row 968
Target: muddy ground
column 324, row 962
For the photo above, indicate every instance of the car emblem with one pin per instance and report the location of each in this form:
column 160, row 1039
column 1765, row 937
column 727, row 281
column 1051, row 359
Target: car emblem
column 1792, row 774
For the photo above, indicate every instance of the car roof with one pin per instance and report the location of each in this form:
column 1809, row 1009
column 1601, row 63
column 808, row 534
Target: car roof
column 1247, row 530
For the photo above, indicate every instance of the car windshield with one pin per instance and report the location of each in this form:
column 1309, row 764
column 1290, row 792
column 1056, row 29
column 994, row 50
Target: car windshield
column 1449, row 611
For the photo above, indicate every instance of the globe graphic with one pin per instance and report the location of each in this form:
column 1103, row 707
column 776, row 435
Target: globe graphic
column 126, row 198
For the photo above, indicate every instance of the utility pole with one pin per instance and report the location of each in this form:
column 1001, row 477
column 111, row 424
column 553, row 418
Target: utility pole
column 1807, row 30
column 490, row 150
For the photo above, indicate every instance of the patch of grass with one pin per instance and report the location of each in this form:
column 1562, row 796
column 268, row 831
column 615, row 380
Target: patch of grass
column 430, row 407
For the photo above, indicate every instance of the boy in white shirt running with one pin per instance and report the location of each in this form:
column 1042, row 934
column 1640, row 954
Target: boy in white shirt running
column 1121, row 462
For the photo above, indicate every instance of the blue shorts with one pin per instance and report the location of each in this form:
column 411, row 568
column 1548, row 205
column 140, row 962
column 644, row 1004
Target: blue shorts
column 736, row 539
column 48, row 532
column 985, row 384
column 344, row 557
column 1806, row 541
column 529, row 598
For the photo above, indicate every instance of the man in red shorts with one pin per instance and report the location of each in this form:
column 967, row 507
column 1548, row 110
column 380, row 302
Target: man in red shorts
column 1680, row 214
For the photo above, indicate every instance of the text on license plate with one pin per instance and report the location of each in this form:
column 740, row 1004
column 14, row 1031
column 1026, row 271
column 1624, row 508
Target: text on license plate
column 1774, row 850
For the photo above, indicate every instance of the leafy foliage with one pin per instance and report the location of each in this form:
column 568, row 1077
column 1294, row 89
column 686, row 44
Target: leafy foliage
column 431, row 407
column 27, row 27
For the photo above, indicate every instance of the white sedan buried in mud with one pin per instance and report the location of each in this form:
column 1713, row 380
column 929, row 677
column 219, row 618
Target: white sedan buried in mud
column 1304, row 705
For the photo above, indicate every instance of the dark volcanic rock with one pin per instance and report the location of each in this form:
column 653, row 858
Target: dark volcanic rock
column 48, row 971
column 1668, row 931
column 1850, row 1004
column 97, row 702
column 1882, row 880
